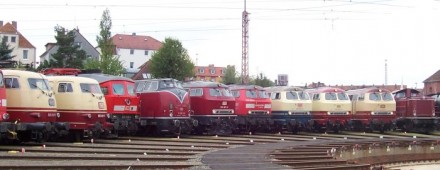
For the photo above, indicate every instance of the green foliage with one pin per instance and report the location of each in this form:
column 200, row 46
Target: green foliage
column 262, row 81
column 5, row 55
column 108, row 63
column 68, row 55
column 230, row 75
column 172, row 61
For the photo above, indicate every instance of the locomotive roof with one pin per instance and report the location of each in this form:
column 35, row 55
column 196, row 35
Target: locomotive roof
column 324, row 90
column 23, row 73
column 283, row 88
column 403, row 90
column 203, row 84
column 160, row 79
column 367, row 90
column 104, row 77
column 245, row 87
column 73, row 79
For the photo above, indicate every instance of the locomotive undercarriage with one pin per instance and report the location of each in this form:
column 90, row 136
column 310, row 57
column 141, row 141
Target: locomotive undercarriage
column 173, row 127
column 38, row 131
column 417, row 124
column 215, row 125
column 254, row 123
column 124, row 124
column 8, row 131
column 323, row 125
column 370, row 125
column 291, row 123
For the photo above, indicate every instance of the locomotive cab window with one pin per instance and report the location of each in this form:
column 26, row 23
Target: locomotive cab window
column 40, row 84
column 275, row 96
column 387, row 97
column 12, row 83
column 375, row 96
column 251, row 94
column 215, row 92
column 226, row 93
column 90, row 88
column 2, row 83
column 316, row 97
column 342, row 96
column 330, row 96
column 262, row 94
column 235, row 93
column 290, row 95
column 130, row 89
column 196, row 92
column 303, row 96
column 104, row 90
column 65, row 87
column 118, row 89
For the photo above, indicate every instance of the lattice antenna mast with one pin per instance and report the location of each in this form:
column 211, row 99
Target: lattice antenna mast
column 245, row 47
column 386, row 72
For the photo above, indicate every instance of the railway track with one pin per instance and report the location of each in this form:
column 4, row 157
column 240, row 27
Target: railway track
column 189, row 151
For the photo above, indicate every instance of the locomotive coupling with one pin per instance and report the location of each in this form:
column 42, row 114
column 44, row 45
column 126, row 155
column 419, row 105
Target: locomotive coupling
column 11, row 135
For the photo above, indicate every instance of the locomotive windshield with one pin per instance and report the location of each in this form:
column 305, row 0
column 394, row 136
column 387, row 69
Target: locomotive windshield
column 387, row 96
column 219, row 92
column 375, row 96
column 290, row 95
column 130, row 89
column 1, row 80
column 90, row 88
column 330, row 96
column 251, row 94
column 226, row 93
column 303, row 96
column 36, row 83
column 263, row 94
column 118, row 89
column 342, row 96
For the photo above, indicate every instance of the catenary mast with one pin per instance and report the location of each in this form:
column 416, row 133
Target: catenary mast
column 245, row 47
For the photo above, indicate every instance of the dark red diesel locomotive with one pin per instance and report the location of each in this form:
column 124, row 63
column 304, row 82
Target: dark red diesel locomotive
column 415, row 112
column 164, row 107
column 253, row 108
column 213, row 106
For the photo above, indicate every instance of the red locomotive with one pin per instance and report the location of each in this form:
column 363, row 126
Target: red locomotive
column 373, row 109
column 122, row 102
column 31, row 105
column 415, row 112
column 253, row 108
column 213, row 106
column 331, row 109
column 164, row 107
column 7, row 129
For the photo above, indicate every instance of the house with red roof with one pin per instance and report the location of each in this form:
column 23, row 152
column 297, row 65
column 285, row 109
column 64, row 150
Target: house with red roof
column 23, row 50
column 209, row 73
column 134, row 50
column 432, row 84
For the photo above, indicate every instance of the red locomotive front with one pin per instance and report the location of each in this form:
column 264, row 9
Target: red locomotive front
column 253, row 108
column 7, row 129
column 213, row 106
column 164, row 107
column 415, row 112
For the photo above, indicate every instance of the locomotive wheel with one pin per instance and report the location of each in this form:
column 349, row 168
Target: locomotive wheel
column 408, row 126
column 43, row 136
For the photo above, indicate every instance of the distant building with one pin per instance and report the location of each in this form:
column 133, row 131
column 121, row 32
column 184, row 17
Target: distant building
column 144, row 72
column 209, row 73
column 23, row 50
column 134, row 51
column 80, row 40
column 283, row 80
column 432, row 84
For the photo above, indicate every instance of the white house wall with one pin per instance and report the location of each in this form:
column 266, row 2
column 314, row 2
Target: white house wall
column 138, row 57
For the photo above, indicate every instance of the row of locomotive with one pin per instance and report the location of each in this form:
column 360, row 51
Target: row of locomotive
column 65, row 101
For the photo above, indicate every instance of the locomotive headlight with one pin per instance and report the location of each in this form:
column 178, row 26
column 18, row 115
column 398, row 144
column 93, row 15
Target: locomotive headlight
column 372, row 113
column 391, row 113
column 414, row 114
column 249, row 112
column 433, row 113
column 5, row 116
column 308, row 113
column 214, row 112
column 51, row 102
column 250, row 105
column 58, row 115
column 290, row 113
column 329, row 113
column 267, row 106
column 232, row 111
column 171, row 113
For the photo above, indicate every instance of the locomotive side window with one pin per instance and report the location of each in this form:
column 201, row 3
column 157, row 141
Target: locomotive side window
column 196, row 92
column 290, row 95
column 214, row 92
column 65, row 87
column 251, row 94
column 361, row 97
column 118, row 89
column 12, row 83
column 275, row 96
column 342, row 96
column 316, row 97
column 130, row 89
column 104, row 90
column 1, row 80
column 330, row 96
column 37, row 84
column 400, row 95
column 303, row 96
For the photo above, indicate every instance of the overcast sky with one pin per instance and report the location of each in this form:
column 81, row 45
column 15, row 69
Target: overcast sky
column 335, row 42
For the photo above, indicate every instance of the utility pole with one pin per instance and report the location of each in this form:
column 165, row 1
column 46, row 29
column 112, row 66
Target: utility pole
column 386, row 72
column 245, row 47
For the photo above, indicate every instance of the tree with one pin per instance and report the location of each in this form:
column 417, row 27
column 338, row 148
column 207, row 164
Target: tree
column 262, row 81
column 68, row 54
column 108, row 63
column 5, row 54
column 172, row 61
column 230, row 75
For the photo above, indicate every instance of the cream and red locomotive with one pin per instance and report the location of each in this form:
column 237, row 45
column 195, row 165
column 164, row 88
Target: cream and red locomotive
column 213, row 107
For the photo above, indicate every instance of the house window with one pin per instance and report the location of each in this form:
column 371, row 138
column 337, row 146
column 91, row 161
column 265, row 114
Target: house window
column 223, row 71
column 201, row 70
column 146, row 52
column 131, row 51
column 25, row 55
column 212, row 71
column 6, row 38
column 13, row 39
column 78, row 44
column 131, row 64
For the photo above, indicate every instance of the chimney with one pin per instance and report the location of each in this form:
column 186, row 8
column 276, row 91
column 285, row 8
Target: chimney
column 134, row 34
column 1, row 23
column 49, row 45
column 14, row 23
